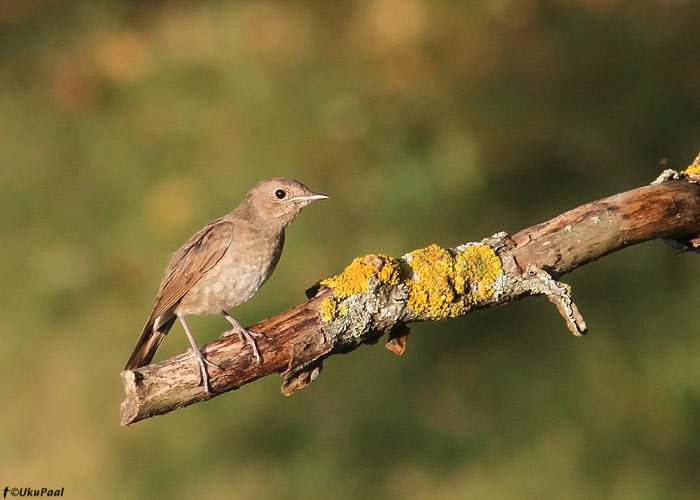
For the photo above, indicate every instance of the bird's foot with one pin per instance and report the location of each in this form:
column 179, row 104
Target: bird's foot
column 246, row 336
column 202, row 362
column 250, row 336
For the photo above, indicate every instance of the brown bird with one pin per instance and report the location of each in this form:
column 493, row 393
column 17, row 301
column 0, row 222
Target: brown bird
column 222, row 266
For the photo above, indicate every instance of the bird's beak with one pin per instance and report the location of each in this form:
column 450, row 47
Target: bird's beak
column 310, row 197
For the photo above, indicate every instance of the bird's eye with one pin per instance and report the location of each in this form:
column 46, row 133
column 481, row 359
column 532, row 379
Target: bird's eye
column 280, row 194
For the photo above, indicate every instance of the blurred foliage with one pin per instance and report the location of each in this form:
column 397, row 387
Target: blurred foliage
column 126, row 125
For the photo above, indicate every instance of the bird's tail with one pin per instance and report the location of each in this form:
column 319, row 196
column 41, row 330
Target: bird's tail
column 148, row 343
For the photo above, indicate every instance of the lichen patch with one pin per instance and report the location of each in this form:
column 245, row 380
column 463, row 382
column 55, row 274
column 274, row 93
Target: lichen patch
column 693, row 169
column 446, row 285
column 440, row 283
column 356, row 279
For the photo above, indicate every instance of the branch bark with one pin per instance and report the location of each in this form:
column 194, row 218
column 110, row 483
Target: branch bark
column 378, row 294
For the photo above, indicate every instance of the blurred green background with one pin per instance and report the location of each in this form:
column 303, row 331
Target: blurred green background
column 127, row 125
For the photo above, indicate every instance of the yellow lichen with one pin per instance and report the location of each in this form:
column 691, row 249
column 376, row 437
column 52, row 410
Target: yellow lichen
column 479, row 266
column 442, row 285
column 355, row 278
column 693, row 168
column 445, row 286
column 431, row 291
column 329, row 308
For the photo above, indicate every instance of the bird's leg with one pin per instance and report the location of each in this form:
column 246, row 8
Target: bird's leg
column 201, row 360
column 245, row 335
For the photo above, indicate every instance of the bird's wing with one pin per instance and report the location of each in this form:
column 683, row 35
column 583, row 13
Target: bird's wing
column 189, row 263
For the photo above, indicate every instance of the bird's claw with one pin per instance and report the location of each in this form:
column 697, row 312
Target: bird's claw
column 202, row 362
column 247, row 337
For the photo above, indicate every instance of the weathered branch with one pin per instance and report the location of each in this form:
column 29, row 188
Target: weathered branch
column 378, row 294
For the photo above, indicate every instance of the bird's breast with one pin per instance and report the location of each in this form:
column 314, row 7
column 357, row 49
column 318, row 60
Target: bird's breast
column 242, row 270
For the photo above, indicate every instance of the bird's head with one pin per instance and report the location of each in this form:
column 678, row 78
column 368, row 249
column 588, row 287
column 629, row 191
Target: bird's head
column 279, row 200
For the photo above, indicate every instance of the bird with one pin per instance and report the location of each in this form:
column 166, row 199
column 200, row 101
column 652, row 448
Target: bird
column 221, row 266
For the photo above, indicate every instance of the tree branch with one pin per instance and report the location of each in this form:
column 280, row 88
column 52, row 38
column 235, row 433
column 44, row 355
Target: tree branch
column 376, row 294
